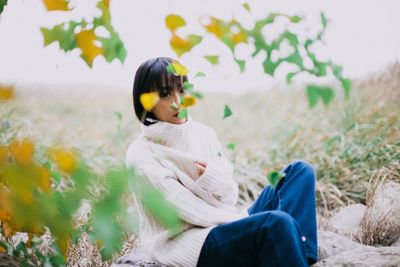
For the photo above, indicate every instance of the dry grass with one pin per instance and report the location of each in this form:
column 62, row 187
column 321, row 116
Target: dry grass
column 349, row 143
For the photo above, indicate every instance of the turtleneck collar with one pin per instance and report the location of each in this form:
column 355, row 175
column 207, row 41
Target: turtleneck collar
column 167, row 133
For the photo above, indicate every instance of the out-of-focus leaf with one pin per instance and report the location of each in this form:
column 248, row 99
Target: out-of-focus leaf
column 314, row 92
column 113, row 48
column 85, row 40
column 179, row 69
column 65, row 159
column 213, row 59
column 187, row 86
column 246, row 6
column 324, row 21
column 174, row 22
column 274, row 177
column 231, row 146
column 149, row 100
column 290, row 76
column 52, row 5
column 6, row 92
column 166, row 213
column 197, row 95
column 183, row 114
column 188, row 101
column 241, row 63
column 3, row 3
column 65, row 38
column 22, row 150
column 227, row 111
column 199, row 74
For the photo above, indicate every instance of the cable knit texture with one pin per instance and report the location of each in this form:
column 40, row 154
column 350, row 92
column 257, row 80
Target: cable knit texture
column 164, row 155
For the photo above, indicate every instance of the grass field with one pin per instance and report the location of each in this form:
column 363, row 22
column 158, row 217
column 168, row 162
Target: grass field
column 350, row 143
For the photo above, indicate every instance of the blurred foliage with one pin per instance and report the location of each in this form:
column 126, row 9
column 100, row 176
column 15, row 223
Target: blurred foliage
column 6, row 92
column 232, row 33
column 84, row 35
column 47, row 192
column 3, row 3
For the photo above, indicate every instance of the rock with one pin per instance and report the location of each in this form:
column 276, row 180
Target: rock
column 330, row 244
column 381, row 222
column 396, row 243
column 136, row 258
column 364, row 256
column 333, row 250
column 347, row 221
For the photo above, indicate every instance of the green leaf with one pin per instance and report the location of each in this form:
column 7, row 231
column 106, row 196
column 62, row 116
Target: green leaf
column 118, row 114
column 227, row 111
column 200, row 74
column 289, row 77
column 241, row 63
column 183, row 114
column 231, row 146
column 274, row 177
column 295, row 19
column 171, row 69
column 187, row 86
column 65, row 38
column 346, row 84
column 107, row 230
column 113, row 48
column 197, row 94
column 315, row 92
column 246, row 6
column 153, row 201
column 3, row 3
column 324, row 21
column 213, row 59
column 270, row 66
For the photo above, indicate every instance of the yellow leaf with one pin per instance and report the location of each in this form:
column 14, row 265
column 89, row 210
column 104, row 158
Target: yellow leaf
column 215, row 27
column 188, row 101
column 179, row 68
column 174, row 21
column 106, row 2
column 44, row 179
column 180, row 45
column 22, row 151
column 52, row 5
column 90, row 51
column 7, row 230
column 6, row 92
column 239, row 38
column 66, row 160
column 149, row 100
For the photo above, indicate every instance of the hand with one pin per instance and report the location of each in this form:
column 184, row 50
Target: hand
column 201, row 165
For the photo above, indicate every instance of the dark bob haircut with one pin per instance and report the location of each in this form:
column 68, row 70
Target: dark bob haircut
column 151, row 76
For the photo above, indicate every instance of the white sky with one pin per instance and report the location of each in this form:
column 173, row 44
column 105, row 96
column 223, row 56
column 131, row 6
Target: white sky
column 363, row 36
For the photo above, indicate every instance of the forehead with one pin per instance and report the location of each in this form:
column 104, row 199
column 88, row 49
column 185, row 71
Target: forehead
column 168, row 81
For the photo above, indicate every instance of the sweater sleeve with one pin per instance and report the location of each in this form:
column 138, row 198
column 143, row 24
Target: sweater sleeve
column 217, row 178
column 193, row 209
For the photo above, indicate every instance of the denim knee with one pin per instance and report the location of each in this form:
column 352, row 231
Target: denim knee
column 309, row 169
column 278, row 218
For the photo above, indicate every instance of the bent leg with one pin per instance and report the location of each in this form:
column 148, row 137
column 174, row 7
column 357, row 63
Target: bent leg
column 269, row 238
column 295, row 195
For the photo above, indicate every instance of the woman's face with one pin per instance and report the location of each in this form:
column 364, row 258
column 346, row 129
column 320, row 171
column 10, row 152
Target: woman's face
column 165, row 110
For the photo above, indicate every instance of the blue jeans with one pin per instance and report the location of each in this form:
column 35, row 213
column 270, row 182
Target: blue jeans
column 281, row 229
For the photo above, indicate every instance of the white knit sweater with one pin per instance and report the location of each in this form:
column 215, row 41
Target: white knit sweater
column 164, row 154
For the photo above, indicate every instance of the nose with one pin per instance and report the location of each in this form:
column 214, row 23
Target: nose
column 177, row 97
